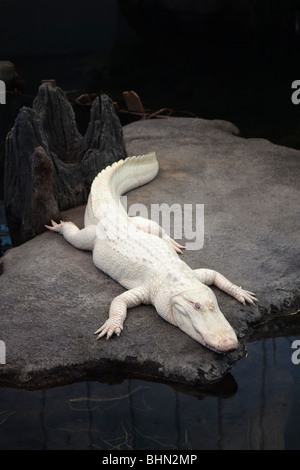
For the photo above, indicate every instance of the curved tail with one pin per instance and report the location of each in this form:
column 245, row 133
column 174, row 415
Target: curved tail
column 118, row 179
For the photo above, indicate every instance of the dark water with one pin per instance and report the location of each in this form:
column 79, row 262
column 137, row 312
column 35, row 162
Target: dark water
column 258, row 407
column 216, row 74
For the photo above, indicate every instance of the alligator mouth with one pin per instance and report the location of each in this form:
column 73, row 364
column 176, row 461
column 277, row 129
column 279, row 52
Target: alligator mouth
column 216, row 348
column 220, row 351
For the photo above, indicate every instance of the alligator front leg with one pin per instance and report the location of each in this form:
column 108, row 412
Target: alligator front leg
column 118, row 311
column 150, row 226
column 82, row 239
column 209, row 277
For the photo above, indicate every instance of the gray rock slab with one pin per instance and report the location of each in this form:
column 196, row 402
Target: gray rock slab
column 52, row 298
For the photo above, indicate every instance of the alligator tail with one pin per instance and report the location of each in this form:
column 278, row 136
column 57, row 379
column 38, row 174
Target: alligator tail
column 117, row 179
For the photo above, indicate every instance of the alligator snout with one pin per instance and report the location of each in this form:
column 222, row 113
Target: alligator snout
column 227, row 344
column 222, row 342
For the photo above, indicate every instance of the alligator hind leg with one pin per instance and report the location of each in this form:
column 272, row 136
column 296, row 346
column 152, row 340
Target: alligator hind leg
column 83, row 239
column 118, row 311
column 209, row 277
column 149, row 226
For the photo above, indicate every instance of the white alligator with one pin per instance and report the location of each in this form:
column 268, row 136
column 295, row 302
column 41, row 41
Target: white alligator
column 141, row 256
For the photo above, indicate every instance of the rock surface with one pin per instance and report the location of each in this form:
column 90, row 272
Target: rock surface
column 52, row 298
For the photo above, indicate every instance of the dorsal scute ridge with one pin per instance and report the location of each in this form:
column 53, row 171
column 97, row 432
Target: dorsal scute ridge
column 117, row 179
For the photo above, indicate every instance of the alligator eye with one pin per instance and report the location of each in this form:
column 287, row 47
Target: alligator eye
column 196, row 305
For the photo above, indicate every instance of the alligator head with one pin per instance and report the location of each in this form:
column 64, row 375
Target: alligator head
column 196, row 312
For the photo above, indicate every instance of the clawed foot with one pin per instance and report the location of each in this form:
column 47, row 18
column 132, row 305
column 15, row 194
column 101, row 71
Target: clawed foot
column 244, row 296
column 177, row 247
column 55, row 227
column 109, row 328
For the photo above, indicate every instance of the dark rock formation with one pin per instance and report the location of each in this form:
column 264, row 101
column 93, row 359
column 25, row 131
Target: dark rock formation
column 49, row 165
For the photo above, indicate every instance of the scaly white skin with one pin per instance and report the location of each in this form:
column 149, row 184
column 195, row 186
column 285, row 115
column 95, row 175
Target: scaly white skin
column 139, row 255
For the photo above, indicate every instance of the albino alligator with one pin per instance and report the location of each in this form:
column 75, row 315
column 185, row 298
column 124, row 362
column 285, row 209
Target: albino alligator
column 139, row 254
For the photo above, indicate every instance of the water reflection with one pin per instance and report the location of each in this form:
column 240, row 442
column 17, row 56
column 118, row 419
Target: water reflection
column 258, row 408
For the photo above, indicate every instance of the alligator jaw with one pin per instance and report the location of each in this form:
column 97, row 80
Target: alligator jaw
column 224, row 346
